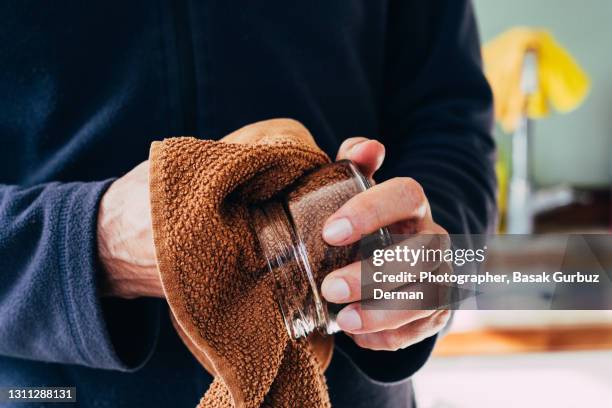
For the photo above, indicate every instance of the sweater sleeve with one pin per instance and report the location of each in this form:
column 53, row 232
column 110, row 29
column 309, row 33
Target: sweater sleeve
column 436, row 123
column 437, row 115
column 49, row 306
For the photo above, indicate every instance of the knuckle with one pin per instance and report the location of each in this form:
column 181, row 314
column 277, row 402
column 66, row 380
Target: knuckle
column 354, row 140
column 372, row 319
column 362, row 340
column 347, row 144
column 411, row 185
column 288, row 123
column 446, row 242
column 440, row 238
column 437, row 229
column 441, row 319
column 365, row 213
column 393, row 340
column 410, row 191
column 284, row 126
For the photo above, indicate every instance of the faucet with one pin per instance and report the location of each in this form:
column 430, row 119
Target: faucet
column 524, row 201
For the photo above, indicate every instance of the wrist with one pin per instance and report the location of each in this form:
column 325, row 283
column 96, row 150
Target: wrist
column 124, row 239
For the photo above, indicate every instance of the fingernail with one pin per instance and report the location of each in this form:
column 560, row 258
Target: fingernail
column 337, row 231
column 349, row 319
column 335, row 289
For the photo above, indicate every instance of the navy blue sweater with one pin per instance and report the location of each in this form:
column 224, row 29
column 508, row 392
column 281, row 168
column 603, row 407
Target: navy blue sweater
column 86, row 86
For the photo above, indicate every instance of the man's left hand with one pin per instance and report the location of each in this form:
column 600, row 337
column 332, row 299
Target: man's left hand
column 399, row 204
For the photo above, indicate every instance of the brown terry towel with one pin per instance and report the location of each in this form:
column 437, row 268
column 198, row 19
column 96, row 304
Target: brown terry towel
column 214, row 276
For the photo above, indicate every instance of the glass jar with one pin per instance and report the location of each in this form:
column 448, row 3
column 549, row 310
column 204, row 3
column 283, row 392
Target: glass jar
column 289, row 229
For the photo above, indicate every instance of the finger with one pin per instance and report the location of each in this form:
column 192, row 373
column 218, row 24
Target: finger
column 405, row 336
column 394, row 200
column 347, row 145
column 345, row 285
column 354, row 319
column 411, row 226
column 367, row 154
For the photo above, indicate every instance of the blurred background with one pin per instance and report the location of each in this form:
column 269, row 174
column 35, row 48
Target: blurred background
column 550, row 65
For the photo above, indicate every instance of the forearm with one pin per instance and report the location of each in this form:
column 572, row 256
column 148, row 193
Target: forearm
column 50, row 308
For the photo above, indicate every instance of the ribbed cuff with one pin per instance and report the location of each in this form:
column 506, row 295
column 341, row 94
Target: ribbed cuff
column 387, row 367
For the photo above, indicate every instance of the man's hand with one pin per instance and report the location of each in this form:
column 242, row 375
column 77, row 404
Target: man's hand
column 125, row 238
column 400, row 204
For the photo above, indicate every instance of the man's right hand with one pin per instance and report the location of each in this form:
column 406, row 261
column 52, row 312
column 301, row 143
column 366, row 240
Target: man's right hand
column 125, row 238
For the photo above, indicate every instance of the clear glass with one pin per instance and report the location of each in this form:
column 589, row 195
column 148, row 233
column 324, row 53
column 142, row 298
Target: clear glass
column 289, row 228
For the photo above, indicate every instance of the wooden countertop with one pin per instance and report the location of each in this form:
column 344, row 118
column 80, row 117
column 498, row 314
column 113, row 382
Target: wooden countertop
column 520, row 340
